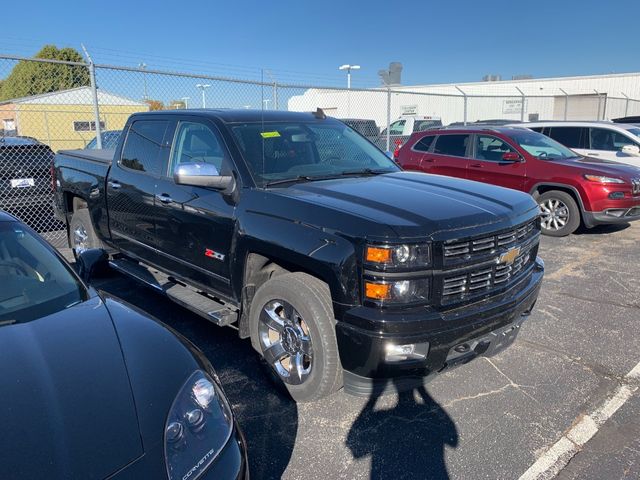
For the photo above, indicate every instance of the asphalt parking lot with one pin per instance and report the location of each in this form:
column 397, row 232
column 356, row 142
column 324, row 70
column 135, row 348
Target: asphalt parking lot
column 493, row 418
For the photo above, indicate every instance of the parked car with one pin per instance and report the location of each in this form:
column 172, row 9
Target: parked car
column 496, row 122
column 109, row 139
column 605, row 140
column 633, row 120
column 25, row 179
column 569, row 188
column 340, row 268
column 367, row 128
column 401, row 129
column 92, row 387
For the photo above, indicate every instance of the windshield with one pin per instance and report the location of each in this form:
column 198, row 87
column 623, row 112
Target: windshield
column 35, row 283
column 276, row 152
column 541, row 146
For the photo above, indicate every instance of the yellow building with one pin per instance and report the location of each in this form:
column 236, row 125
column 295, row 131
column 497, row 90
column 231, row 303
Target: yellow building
column 66, row 119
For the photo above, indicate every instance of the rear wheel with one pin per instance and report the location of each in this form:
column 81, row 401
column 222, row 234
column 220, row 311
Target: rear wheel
column 81, row 233
column 293, row 327
column 560, row 213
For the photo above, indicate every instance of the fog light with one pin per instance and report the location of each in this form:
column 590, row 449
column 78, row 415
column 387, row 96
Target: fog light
column 410, row 351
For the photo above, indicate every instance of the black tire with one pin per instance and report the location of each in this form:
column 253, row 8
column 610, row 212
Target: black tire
column 311, row 299
column 81, row 221
column 566, row 210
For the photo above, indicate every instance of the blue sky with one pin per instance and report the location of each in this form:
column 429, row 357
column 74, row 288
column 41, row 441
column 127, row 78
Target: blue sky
column 304, row 42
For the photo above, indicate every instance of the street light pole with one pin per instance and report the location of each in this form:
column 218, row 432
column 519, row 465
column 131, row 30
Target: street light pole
column 203, row 87
column 186, row 101
column 348, row 68
column 266, row 103
column 143, row 66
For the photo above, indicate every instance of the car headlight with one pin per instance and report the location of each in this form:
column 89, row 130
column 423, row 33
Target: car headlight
column 398, row 256
column 405, row 292
column 602, row 179
column 198, row 426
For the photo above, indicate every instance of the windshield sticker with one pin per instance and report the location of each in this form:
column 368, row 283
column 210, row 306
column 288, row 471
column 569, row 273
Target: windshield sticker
column 270, row 134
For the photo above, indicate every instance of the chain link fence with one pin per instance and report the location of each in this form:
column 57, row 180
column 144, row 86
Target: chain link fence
column 47, row 106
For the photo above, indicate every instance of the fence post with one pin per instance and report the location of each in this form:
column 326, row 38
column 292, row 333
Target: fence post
column 522, row 106
column 388, row 118
column 566, row 103
column 464, row 96
column 626, row 104
column 94, row 92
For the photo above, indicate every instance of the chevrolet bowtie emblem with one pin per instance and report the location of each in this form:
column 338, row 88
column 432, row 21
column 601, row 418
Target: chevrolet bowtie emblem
column 509, row 256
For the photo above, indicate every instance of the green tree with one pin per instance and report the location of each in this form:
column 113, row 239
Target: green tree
column 32, row 78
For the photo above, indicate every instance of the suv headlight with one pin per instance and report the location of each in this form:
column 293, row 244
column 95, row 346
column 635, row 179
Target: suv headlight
column 398, row 256
column 601, row 179
column 198, row 426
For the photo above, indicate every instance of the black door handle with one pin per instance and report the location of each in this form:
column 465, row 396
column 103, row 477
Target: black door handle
column 428, row 159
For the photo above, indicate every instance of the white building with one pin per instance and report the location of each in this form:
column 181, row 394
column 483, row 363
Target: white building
column 593, row 97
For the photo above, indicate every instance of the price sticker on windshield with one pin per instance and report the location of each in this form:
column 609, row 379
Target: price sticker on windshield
column 270, row 134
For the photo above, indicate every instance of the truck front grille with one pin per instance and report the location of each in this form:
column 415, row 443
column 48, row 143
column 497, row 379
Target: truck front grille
column 458, row 287
column 470, row 249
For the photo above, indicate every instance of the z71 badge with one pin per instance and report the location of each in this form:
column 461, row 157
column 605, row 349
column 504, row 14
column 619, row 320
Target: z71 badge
column 213, row 254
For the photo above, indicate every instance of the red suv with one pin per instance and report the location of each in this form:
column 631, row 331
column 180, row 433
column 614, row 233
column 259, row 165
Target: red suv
column 570, row 189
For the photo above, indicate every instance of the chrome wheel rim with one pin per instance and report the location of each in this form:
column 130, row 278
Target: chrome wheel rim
column 555, row 214
column 80, row 239
column 285, row 341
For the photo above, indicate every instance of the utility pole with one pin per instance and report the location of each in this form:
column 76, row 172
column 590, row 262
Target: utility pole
column 203, row 87
column 143, row 66
column 276, row 106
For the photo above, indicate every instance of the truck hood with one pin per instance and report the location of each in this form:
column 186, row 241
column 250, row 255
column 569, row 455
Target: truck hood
column 600, row 166
column 66, row 407
column 413, row 204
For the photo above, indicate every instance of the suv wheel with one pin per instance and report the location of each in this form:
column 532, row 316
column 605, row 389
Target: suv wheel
column 293, row 328
column 560, row 213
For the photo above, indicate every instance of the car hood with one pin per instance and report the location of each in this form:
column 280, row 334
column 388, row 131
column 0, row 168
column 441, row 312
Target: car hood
column 600, row 166
column 66, row 407
column 410, row 205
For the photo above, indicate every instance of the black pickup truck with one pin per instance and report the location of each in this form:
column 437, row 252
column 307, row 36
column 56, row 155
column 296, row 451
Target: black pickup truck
column 342, row 269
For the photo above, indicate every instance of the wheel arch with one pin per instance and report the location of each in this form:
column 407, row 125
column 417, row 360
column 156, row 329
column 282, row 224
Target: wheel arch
column 543, row 187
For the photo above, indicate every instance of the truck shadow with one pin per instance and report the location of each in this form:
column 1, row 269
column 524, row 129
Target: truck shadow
column 405, row 441
column 267, row 416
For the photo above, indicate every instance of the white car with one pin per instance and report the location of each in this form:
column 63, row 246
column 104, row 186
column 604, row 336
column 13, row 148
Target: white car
column 618, row 142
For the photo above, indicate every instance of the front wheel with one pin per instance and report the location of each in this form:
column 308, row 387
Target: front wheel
column 293, row 328
column 560, row 213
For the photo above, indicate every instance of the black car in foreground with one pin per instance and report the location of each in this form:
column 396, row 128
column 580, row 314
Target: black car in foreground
column 342, row 269
column 93, row 388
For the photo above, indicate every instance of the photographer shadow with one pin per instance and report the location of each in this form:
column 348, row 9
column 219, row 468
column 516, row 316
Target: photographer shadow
column 407, row 440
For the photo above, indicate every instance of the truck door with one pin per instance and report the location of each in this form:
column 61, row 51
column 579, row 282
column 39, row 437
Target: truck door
column 131, row 188
column 194, row 225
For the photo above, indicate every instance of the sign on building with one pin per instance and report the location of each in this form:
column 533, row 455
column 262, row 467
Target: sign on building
column 409, row 109
column 513, row 105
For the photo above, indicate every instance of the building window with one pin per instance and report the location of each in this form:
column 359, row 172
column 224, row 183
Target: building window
column 86, row 126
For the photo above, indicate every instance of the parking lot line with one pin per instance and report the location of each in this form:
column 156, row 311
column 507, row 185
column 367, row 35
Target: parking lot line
column 560, row 453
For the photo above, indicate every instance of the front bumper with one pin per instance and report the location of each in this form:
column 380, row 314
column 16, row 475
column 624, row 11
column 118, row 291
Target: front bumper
column 612, row 216
column 455, row 336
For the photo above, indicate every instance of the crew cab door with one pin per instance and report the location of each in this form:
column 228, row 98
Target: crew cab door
column 131, row 188
column 194, row 225
column 449, row 155
column 488, row 165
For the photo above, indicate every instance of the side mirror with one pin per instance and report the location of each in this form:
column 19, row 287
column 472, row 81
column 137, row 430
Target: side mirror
column 631, row 150
column 91, row 261
column 511, row 157
column 202, row 175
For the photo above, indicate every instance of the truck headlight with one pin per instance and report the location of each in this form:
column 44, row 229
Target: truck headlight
column 198, row 426
column 398, row 291
column 398, row 256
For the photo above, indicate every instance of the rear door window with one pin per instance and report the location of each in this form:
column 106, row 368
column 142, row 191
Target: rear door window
column 572, row 137
column 424, row 143
column 143, row 145
column 453, row 145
